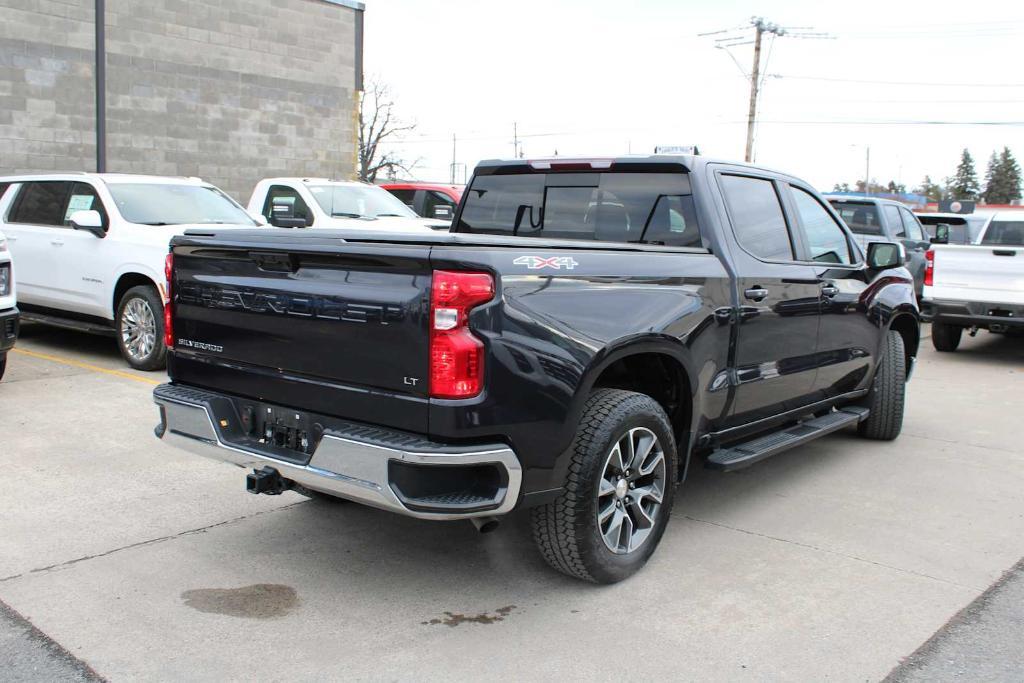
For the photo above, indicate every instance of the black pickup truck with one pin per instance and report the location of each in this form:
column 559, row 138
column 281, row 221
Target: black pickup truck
column 587, row 331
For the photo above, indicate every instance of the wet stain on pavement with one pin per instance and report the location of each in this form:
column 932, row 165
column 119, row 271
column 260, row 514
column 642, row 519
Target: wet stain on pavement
column 258, row 601
column 454, row 620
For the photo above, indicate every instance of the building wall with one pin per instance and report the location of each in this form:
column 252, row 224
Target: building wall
column 230, row 90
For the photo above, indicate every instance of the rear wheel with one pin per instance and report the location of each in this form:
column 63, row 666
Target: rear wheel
column 887, row 394
column 618, row 496
column 946, row 337
column 3, row 365
column 140, row 328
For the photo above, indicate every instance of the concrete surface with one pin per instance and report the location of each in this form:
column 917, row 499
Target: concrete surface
column 834, row 561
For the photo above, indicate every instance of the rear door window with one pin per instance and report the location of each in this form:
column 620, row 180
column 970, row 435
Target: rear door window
column 911, row 225
column 892, row 217
column 757, row 218
column 1006, row 233
column 648, row 208
column 41, row 203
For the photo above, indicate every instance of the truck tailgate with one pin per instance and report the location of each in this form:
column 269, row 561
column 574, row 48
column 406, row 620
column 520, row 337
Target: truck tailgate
column 978, row 273
column 307, row 327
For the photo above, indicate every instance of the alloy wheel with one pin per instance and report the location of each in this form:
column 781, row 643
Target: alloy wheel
column 631, row 490
column 138, row 329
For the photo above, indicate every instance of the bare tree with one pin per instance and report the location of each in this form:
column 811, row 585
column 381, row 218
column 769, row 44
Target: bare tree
column 377, row 123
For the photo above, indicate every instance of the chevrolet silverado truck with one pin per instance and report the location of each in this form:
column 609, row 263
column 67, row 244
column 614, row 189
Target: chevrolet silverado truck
column 338, row 204
column 588, row 331
column 977, row 286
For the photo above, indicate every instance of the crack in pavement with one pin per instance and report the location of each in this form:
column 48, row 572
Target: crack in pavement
column 960, row 443
column 833, row 552
column 152, row 541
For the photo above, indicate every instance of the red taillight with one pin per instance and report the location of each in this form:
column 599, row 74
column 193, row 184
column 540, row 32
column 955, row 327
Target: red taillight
column 168, row 322
column 456, row 354
column 929, row 267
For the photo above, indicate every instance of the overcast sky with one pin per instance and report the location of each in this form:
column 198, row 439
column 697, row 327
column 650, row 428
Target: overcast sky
column 596, row 77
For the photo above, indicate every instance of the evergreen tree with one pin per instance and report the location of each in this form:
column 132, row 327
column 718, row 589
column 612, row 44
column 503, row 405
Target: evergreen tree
column 930, row 189
column 964, row 184
column 1003, row 178
column 1010, row 170
column 992, row 179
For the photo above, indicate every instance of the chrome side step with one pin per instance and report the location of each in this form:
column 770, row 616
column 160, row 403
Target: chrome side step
column 747, row 453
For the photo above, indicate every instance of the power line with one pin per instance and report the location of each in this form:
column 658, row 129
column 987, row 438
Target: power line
column 829, row 79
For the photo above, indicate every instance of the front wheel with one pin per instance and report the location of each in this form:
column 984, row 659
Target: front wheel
column 888, row 392
column 618, row 495
column 3, row 365
column 946, row 337
column 140, row 328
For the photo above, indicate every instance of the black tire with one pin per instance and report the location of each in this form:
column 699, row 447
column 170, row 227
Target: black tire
column 3, row 365
column 946, row 337
column 887, row 394
column 156, row 358
column 567, row 531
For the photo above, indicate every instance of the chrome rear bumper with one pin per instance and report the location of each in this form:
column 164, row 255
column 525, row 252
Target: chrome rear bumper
column 341, row 465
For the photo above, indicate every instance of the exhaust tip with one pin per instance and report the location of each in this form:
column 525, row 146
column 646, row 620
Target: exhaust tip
column 485, row 525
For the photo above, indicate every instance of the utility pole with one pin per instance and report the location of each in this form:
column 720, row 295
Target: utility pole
column 760, row 28
column 867, row 170
column 515, row 140
column 453, row 159
column 100, row 21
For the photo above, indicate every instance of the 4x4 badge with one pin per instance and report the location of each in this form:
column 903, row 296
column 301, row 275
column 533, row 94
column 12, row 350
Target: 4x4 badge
column 538, row 262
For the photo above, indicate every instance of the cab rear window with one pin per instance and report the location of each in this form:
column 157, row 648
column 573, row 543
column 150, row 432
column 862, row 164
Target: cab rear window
column 861, row 218
column 647, row 208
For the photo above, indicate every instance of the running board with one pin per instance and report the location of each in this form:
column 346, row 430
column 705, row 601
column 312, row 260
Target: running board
column 746, row 454
column 68, row 323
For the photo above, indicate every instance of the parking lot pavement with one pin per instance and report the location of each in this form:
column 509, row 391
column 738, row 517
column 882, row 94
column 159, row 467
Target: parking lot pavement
column 836, row 560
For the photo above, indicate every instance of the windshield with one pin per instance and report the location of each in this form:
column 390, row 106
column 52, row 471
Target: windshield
column 175, row 204
column 862, row 218
column 1004, row 233
column 359, row 201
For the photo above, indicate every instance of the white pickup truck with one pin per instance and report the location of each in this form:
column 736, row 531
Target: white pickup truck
column 979, row 286
column 323, row 203
column 8, row 309
column 90, row 249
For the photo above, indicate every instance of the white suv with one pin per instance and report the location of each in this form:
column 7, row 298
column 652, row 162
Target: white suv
column 8, row 310
column 91, row 247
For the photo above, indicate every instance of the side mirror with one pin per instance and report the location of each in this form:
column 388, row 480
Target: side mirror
column 90, row 221
column 941, row 234
column 883, row 255
column 443, row 212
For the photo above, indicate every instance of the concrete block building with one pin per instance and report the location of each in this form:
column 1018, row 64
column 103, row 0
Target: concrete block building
column 228, row 90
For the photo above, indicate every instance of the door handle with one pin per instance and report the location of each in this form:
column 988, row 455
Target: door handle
column 756, row 293
column 829, row 290
column 57, row 243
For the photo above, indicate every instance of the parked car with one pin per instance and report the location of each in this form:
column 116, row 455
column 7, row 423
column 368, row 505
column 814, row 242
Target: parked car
column 963, row 228
column 976, row 286
column 872, row 219
column 430, row 200
column 8, row 305
column 322, row 203
column 91, row 247
column 589, row 329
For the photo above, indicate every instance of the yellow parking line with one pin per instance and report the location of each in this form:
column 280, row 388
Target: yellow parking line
column 84, row 366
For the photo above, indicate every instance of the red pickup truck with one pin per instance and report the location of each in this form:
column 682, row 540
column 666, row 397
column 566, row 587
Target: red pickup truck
column 430, row 200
